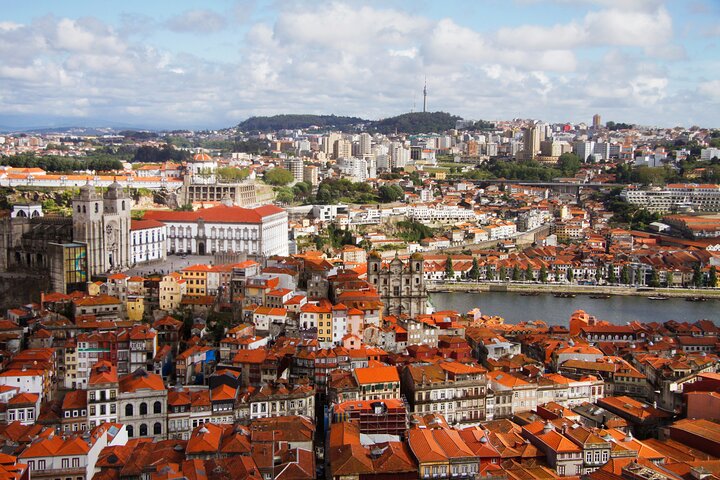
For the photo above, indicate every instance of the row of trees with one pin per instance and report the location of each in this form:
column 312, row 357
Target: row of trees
column 51, row 163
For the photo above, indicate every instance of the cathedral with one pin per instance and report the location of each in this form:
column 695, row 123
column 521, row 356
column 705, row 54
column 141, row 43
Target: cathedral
column 401, row 285
column 103, row 224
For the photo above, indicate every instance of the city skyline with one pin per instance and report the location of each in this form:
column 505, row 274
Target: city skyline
column 161, row 65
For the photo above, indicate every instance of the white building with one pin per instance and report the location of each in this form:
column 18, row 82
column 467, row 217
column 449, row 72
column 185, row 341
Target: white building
column 701, row 198
column 355, row 168
column 584, row 149
column 255, row 231
column 707, row 154
column 147, row 241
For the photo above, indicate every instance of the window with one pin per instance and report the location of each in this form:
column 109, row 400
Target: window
column 76, row 462
column 157, row 428
column 143, row 430
column 41, row 464
column 128, row 410
column 143, row 408
column 130, row 429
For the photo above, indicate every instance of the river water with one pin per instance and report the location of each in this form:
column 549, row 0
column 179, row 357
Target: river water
column 515, row 308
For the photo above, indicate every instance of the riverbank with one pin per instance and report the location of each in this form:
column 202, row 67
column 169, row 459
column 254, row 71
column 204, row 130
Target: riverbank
column 470, row 287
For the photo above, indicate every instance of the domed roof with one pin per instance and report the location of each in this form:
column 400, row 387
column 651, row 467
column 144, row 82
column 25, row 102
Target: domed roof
column 202, row 157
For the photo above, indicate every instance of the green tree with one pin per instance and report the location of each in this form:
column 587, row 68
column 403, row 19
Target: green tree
column 390, row 193
column 697, row 278
column 611, row 276
column 503, row 273
column 570, row 275
column 232, row 174
column 515, row 274
column 489, row 273
column 474, row 272
column 449, row 272
column 625, row 275
column 543, row 274
column 529, row 273
column 278, row 176
column 569, row 163
column 712, row 277
column 654, row 279
column 669, row 278
column 284, row 196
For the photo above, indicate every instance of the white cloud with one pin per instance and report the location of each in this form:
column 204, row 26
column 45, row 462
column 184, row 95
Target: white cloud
column 345, row 58
column 196, row 21
column 710, row 89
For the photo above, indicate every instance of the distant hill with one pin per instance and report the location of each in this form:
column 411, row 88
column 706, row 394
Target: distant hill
column 288, row 122
column 416, row 122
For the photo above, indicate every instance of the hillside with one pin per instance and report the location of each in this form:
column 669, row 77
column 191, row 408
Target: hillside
column 283, row 122
column 417, row 122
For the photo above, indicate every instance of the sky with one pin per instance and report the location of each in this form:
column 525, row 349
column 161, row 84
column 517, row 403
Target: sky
column 168, row 64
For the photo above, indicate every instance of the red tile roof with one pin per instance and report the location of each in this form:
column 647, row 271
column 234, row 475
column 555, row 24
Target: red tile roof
column 219, row 214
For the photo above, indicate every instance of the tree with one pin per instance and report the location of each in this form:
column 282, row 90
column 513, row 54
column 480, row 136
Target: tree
column 712, row 277
column 515, row 273
column 278, row 176
column 611, row 276
column 569, row 163
column 474, row 272
column 390, row 193
column 625, row 275
column 669, row 278
column 503, row 273
column 449, row 272
column 570, row 274
column 697, row 278
column 284, row 196
column 529, row 273
column 489, row 273
column 233, row 174
column 543, row 274
column 654, row 278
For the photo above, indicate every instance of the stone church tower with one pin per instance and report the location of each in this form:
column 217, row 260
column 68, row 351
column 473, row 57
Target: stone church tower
column 103, row 223
column 401, row 285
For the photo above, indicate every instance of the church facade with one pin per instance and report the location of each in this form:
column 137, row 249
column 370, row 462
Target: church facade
column 401, row 284
column 102, row 222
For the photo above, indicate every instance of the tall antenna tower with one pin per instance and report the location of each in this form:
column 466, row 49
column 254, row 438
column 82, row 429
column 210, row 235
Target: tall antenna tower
column 425, row 96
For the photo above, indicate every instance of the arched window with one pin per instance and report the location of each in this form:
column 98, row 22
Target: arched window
column 97, row 208
column 130, row 430
column 157, row 407
column 84, row 210
column 157, row 429
column 143, row 430
column 129, row 410
column 123, row 205
column 143, row 408
column 78, row 208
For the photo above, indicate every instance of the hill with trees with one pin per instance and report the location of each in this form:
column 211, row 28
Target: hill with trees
column 288, row 122
column 416, row 122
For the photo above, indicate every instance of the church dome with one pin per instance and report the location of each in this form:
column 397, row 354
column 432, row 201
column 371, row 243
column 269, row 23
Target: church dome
column 202, row 157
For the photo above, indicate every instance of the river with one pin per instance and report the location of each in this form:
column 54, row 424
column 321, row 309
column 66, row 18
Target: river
column 515, row 308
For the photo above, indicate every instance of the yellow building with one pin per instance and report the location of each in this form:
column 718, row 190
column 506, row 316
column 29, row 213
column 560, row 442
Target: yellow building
column 196, row 277
column 320, row 317
column 94, row 288
column 135, row 307
column 172, row 288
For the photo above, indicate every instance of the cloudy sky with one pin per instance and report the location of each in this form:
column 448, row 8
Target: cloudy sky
column 209, row 64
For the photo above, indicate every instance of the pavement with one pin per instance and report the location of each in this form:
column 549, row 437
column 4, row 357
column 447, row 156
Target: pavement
column 171, row 264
